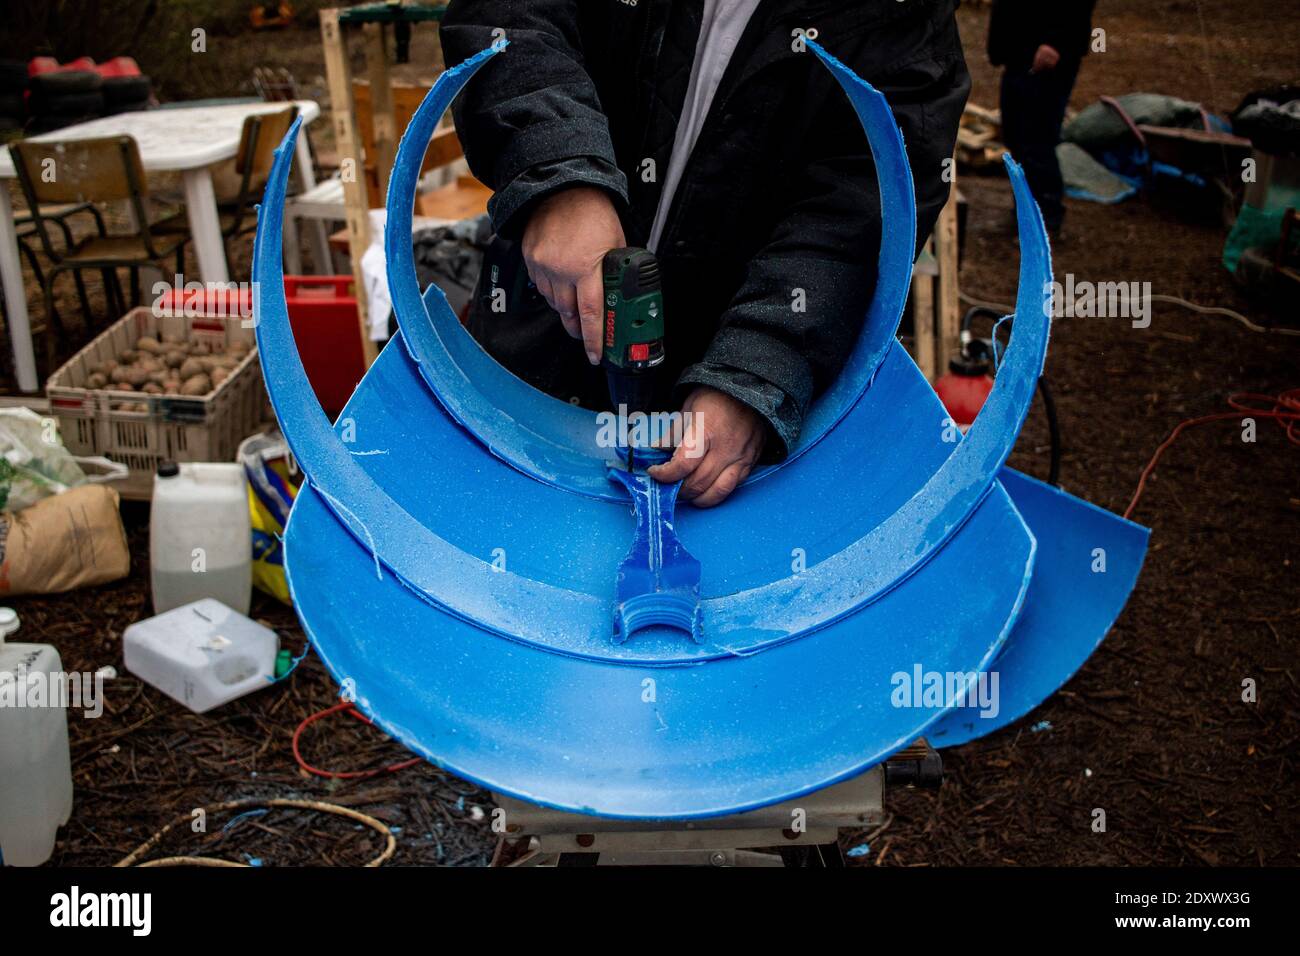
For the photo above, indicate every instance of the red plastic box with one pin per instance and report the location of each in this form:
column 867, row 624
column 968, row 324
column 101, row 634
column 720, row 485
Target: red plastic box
column 323, row 315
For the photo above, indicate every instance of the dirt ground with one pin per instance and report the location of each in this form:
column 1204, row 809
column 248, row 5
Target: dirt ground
column 1152, row 730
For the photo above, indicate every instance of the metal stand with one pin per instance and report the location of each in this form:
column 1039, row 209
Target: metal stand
column 802, row 832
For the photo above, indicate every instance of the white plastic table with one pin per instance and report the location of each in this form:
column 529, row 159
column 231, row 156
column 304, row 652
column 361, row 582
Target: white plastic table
column 188, row 140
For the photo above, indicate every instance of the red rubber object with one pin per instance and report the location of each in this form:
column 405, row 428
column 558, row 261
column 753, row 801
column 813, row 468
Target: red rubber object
column 963, row 395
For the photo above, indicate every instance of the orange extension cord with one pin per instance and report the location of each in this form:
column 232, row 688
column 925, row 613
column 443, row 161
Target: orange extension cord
column 1285, row 411
column 343, row 774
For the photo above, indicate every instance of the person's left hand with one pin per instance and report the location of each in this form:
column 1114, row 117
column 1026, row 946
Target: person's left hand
column 1045, row 58
column 722, row 440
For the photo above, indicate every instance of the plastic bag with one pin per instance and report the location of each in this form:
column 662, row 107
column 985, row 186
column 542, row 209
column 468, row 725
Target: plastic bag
column 273, row 481
column 34, row 464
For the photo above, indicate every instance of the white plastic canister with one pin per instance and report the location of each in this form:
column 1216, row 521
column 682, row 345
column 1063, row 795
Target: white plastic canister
column 35, row 769
column 200, row 538
column 203, row 654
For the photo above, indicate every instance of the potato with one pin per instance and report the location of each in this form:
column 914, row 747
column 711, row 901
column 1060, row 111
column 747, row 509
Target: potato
column 198, row 348
column 219, row 375
column 136, row 376
column 174, row 358
column 191, row 367
column 149, row 363
column 96, row 380
column 128, row 357
column 171, row 386
column 153, row 388
column 196, row 385
column 118, row 374
column 124, row 387
column 147, row 343
column 159, row 376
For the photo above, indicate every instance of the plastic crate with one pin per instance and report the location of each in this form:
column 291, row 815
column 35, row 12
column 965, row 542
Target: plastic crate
column 140, row 430
column 323, row 316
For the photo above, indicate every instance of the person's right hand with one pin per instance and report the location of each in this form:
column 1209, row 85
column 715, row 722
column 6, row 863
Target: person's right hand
column 1045, row 58
column 564, row 244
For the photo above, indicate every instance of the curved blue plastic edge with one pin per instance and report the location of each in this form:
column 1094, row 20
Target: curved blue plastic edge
column 475, row 589
column 541, row 436
column 742, row 622
column 1069, row 608
column 900, row 544
column 715, row 738
column 894, row 266
column 554, row 441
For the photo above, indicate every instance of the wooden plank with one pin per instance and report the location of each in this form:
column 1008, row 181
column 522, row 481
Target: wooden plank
column 923, row 318
column 466, row 198
column 443, row 149
column 338, row 74
column 383, row 121
column 947, row 306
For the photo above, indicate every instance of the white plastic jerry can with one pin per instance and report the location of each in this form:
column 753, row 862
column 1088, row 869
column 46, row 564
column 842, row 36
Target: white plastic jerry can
column 202, row 655
column 35, row 769
column 200, row 536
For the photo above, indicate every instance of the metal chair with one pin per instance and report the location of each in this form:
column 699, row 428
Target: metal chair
column 59, row 215
column 81, row 171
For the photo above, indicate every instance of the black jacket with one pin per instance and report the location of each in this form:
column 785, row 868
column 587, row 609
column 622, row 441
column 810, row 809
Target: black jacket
column 779, row 195
column 1017, row 28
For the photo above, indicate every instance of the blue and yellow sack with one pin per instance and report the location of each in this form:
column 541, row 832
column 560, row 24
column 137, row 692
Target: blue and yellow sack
column 273, row 480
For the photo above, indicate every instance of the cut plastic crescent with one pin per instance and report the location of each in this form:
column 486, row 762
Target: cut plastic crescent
column 454, row 552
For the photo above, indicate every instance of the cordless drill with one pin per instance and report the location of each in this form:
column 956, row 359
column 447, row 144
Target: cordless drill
column 633, row 330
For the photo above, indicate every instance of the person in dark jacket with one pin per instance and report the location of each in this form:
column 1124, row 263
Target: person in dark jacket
column 1041, row 46
column 706, row 131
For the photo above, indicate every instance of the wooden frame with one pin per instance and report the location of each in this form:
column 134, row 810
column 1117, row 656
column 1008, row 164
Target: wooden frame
column 374, row 19
column 338, row 74
column 936, row 306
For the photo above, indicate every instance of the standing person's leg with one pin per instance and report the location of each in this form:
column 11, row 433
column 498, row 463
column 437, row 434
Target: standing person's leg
column 1033, row 108
column 1056, row 85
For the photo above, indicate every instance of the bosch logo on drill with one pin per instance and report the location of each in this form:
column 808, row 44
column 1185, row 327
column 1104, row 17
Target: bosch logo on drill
column 609, row 328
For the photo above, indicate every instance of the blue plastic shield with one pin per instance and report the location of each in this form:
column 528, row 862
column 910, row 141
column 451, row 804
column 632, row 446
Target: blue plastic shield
column 463, row 562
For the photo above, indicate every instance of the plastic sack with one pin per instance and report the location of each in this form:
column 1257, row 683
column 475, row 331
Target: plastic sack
column 273, row 480
column 64, row 542
column 34, row 464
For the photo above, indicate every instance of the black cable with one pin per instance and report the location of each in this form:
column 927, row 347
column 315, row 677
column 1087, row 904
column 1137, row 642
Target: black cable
column 1049, row 404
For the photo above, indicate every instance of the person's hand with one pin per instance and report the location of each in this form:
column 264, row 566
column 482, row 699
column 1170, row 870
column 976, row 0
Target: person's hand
column 1045, row 58
column 722, row 440
column 565, row 240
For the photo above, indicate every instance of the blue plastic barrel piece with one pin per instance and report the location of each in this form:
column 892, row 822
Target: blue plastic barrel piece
column 459, row 556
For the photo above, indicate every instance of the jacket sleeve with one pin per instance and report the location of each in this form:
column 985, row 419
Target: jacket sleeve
column 528, row 132
column 776, row 359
